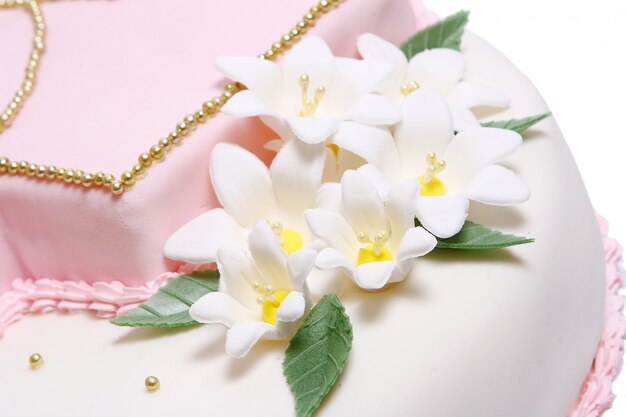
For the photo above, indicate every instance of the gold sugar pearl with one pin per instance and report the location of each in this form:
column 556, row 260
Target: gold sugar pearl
column 87, row 179
column 157, row 152
column 35, row 361
column 166, row 143
column 98, row 179
column 128, row 178
column 117, row 187
column 152, row 384
column 138, row 169
column 145, row 159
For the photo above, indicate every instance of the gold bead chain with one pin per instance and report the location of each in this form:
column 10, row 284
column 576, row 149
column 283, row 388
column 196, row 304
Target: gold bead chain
column 158, row 151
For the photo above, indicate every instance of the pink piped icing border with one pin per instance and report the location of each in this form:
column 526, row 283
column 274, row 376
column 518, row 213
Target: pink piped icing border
column 596, row 395
column 108, row 300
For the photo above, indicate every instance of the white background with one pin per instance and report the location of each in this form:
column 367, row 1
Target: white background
column 575, row 53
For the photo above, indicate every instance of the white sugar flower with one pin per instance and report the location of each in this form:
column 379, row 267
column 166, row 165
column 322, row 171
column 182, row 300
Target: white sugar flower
column 248, row 192
column 259, row 297
column 372, row 242
column 311, row 93
column 440, row 69
column 451, row 169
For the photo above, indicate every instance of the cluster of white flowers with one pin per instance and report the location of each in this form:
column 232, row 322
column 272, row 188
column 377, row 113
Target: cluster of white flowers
column 365, row 147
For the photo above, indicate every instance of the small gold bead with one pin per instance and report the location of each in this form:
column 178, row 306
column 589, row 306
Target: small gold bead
column 295, row 33
column 190, row 120
column 182, row 128
column 324, row 5
column 51, row 172
column 13, row 167
column 218, row 102
column 22, row 167
column 117, row 187
column 166, row 143
column 107, row 180
column 78, row 176
column 309, row 18
column 88, row 179
column 302, row 26
column 152, row 384
column 200, row 116
column 157, row 152
column 226, row 95
column 138, row 169
column 41, row 171
column 31, row 171
column 209, row 107
column 35, row 361
column 60, row 174
column 69, row 175
column 270, row 55
column 4, row 164
column 98, row 179
column 128, row 178
column 277, row 47
column 287, row 39
column 315, row 10
column 174, row 137
column 230, row 87
column 145, row 159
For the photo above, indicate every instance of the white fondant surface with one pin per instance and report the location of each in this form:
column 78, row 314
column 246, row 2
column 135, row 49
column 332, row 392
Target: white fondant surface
column 507, row 333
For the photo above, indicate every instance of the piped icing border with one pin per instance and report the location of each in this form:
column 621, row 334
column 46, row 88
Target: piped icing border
column 109, row 300
column 596, row 395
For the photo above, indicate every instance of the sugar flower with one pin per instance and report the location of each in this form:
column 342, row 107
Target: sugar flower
column 261, row 295
column 248, row 192
column 373, row 242
column 440, row 69
column 311, row 93
column 451, row 168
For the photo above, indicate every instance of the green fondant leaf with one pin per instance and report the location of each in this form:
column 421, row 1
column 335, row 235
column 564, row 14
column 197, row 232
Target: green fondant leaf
column 444, row 34
column 317, row 354
column 518, row 125
column 169, row 306
column 474, row 236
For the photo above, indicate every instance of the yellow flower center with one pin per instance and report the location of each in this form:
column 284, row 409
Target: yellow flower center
column 290, row 240
column 374, row 250
column 334, row 148
column 368, row 254
column 309, row 106
column 434, row 188
column 430, row 185
column 271, row 304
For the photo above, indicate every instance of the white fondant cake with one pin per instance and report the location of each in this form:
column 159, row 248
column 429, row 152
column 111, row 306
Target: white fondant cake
column 489, row 334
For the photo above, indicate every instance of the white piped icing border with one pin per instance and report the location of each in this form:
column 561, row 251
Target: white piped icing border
column 108, row 300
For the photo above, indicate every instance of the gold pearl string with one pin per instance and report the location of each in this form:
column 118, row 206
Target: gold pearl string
column 182, row 129
column 38, row 47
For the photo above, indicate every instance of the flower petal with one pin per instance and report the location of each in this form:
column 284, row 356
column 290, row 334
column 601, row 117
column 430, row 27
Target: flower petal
column 416, row 242
column 242, row 184
column 372, row 47
column 498, row 186
column 292, row 308
column 297, row 175
column 217, row 307
column 472, row 150
column 274, row 145
column 464, row 119
column 247, row 104
column 442, row 216
column 329, row 197
column 426, row 127
column 269, row 257
column 310, row 56
column 440, row 69
column 300, row 264
column 362, row 207
column 333, row 229
column 197, row 241
column 373, row 109
column 374, row 144
column 243, row 336
column 364, row 76
column 313, row 129
column 331, row 258
column 377, row 178
column 374, row 275
column 258, row 75
column 469, row 94
column 237, row 274
column 400, row 209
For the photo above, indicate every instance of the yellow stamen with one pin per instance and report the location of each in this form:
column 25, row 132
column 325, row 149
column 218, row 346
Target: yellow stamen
column 409, row 87
column 434, row 187
column 292, row 241
column 309, row 106
column 271, row 304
